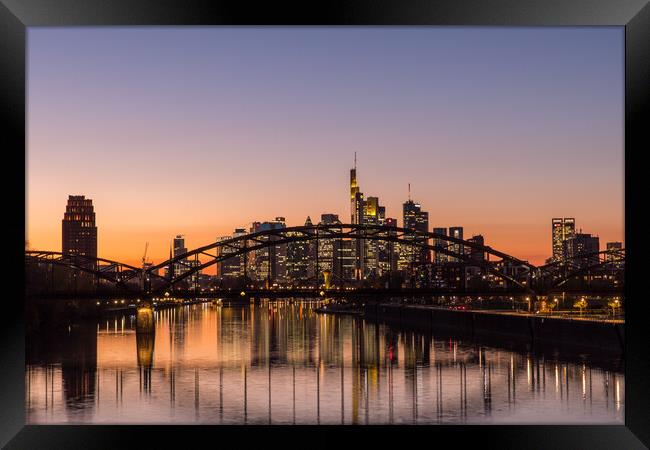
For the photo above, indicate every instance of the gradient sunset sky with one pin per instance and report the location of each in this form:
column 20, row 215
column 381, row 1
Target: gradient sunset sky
column 199, row 130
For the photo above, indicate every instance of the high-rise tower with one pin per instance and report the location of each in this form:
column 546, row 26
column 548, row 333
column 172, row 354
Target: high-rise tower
column 562, row 229
column 357, row 203
column 357, row 209
column 79, row 233
column 417, row 222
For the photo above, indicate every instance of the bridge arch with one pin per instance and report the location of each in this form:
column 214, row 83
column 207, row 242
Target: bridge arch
column 115, row 272
column 268, row 238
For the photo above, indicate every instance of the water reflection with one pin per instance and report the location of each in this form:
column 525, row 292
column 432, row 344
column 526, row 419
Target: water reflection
column 282, row 363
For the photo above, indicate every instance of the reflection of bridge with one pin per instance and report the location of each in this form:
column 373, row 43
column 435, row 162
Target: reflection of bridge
column 511, row 274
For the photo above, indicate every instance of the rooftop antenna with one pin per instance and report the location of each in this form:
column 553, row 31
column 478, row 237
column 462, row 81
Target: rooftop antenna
column 355, row 160
column 409, row 191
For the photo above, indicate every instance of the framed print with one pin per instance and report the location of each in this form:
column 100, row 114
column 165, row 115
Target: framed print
column 378, row 219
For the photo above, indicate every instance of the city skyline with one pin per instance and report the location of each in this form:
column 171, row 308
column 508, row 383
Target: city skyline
column 147, row 190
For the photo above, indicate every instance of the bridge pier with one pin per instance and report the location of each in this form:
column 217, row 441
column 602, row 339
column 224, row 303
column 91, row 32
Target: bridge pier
column 145, row 346
column 328, row 279
column 144, row 322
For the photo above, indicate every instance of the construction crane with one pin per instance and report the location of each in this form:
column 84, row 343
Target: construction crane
column 144, row 266
column 144, row 257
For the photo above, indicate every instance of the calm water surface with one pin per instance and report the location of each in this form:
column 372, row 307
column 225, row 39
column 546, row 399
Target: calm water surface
column 282, row 363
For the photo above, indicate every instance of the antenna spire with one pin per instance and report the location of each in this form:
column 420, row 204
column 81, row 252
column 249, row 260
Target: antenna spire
column 355, row 160
column 409, row 191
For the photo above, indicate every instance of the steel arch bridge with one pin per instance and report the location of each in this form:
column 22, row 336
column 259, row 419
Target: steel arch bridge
column 557, row 273
column 540, row 278
column 242, row 245
column 112, row 271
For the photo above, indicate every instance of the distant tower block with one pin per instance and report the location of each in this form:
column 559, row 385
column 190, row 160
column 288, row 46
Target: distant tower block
column 79, row 233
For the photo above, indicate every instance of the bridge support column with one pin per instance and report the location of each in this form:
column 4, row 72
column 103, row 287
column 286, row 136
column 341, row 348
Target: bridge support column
column 328, row 278
column 145, row 345
column 144, row 322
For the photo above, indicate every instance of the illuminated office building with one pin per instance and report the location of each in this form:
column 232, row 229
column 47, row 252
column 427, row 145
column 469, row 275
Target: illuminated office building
column 178, row 249
column 356, row 196
column 329, row 249
column 418, row 221
column 345, row 269
column 614, row 246
column 269, row 263
column 582, row 244
column 456, row 232
column 387, row 250
column 184, row 264
column 474, row 254
column 440, row 257
column 79, row 232
column 364, row 211
column 562, row 229
column 373, row 214
column 299, row 257
column 231, row 268
column 357, row 208
column 179, row 245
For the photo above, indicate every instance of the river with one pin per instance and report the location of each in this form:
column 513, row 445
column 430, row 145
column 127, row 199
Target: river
column 283, row 363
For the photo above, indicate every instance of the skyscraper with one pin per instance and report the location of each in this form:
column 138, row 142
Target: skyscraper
column 357, row 208
column 373, row 214
column 270, row 262
column 580, row 244
column 79, row 232
column 178, row 248
column 179, row 245
column 477, row 255
column 231, row 268
column 298, row 257
column 440, row 257
column 456, row 232
column 614, row 246
column 387, row 256
column 417, row 221
column 329, row 249
column 562, row 229
column 364, row 211
column 354, row 190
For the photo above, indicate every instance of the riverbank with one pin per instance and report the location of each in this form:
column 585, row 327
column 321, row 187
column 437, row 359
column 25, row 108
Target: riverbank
column 529, row 328
column 339, row 309
column 40, row 312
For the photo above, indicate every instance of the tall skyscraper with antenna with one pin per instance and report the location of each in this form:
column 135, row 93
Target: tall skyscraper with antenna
column 357, row 207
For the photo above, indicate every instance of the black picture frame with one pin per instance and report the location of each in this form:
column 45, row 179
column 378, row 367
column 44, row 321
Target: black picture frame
column 16, row 15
